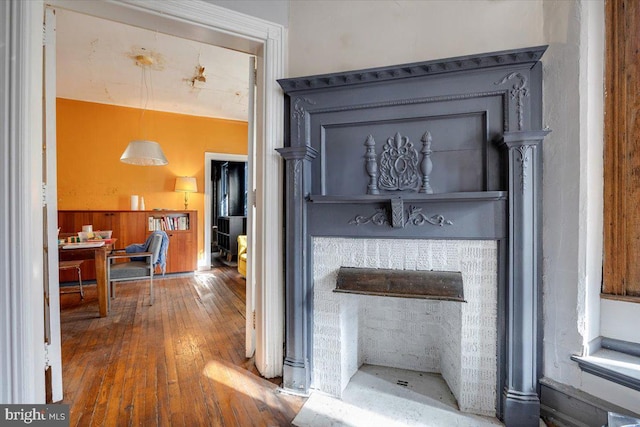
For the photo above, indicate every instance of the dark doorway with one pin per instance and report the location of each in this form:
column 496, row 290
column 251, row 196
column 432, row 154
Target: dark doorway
column 229, row 206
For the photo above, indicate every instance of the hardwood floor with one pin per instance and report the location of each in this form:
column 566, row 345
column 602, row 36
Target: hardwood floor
column 179, row 362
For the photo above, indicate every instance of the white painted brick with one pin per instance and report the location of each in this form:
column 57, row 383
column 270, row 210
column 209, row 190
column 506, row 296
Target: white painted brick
column 456, row 339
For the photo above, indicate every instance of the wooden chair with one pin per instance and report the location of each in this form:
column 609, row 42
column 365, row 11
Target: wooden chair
column 70, row 265
column 141, row 265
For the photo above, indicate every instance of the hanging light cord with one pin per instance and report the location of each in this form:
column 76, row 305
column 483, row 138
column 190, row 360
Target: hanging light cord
column 144, row 95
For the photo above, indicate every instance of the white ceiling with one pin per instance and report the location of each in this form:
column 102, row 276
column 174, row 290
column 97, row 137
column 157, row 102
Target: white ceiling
column 95, row 62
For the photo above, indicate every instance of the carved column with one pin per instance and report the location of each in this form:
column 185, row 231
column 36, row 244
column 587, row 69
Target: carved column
column 521, row 400
column 296, row 376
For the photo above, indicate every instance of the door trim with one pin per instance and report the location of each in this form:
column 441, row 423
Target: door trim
column 22, row 363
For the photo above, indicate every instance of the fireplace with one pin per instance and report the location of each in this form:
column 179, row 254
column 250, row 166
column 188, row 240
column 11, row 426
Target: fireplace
column 454, row 338
column 418, row 167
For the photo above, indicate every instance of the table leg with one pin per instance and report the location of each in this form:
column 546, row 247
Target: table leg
column 101, row 281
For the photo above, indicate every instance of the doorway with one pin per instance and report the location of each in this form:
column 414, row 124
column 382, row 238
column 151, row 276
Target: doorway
column 226, row 194
column 249, row 225
column 213, row 24
column 228, row 207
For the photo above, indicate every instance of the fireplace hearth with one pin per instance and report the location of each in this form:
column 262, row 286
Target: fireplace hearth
column 409, row 168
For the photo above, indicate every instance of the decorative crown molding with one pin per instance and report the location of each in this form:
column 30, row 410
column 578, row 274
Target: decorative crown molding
column 416, row 69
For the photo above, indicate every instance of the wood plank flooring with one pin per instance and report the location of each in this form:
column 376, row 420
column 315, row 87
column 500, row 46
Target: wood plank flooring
column 180, row 362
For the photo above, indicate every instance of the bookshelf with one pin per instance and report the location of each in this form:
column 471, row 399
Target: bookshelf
column 180, row 221
column 134, row 227
column 229, row 228
column 180, row 226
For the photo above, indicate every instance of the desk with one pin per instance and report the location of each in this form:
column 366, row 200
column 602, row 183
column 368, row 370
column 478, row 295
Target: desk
column 99, row 254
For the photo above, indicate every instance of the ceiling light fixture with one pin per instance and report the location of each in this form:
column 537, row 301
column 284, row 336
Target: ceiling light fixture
column 143, row 152
column 199, row 79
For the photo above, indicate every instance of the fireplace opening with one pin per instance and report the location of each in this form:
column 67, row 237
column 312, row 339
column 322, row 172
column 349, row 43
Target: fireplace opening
column 354, row 329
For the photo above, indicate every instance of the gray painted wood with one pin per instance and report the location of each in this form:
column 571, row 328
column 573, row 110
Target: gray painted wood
column 298, row 304
column 521, row 400
column 627, row 347
column 473, row 220
column 342, row 125
column 564, row 405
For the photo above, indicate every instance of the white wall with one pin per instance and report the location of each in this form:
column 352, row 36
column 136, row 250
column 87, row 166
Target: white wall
column 273, row 10
column 616, row 313
column 573, row 203
column 563, row 288
column 330, row 36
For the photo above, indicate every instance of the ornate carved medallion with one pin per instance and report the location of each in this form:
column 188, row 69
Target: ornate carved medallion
column 399, row 165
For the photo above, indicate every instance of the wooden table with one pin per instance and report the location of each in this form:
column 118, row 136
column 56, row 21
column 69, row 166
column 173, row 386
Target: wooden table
column 99, row 254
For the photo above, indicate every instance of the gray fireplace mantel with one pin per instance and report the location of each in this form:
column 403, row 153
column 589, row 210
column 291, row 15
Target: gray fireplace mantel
column 443, row 149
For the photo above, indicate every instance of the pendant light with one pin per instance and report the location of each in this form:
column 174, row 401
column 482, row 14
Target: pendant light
column 144, row 152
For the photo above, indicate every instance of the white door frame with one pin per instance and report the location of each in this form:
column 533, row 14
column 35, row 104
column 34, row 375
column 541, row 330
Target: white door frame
column 250, row 278
column 22, row 359
column 21, row 297
column 50, row 177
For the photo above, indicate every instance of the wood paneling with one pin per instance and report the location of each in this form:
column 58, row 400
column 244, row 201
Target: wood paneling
column 132, row 227
column 179, row 362
column 181, row 243
column 621, row 271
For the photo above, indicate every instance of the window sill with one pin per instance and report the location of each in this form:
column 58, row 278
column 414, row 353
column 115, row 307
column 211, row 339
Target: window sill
column 618, row 361
column 625, row 298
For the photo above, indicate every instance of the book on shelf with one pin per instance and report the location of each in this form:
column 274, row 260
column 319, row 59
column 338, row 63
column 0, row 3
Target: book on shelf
column 169, row 223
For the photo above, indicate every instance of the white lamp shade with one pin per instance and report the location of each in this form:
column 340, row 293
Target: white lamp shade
column 144, row 153
column 186, row 184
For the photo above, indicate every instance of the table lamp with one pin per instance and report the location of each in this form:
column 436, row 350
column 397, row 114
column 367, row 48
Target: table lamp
column 186, row 185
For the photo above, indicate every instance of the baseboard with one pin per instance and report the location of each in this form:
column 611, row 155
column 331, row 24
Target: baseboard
column 565, row 406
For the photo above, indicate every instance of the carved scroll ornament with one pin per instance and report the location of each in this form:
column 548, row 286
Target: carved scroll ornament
column 412, row 216
column 518, row 92
column 299, row 114
column 378, row 218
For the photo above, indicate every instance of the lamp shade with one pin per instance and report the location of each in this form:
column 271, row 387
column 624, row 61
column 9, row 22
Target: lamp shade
column 144, row 153
column 186, row 184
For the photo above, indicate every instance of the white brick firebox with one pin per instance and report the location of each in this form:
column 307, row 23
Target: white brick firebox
column 455, row 339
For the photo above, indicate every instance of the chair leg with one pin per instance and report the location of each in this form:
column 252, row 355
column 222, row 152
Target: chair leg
column 151, row 289
column 80, row 281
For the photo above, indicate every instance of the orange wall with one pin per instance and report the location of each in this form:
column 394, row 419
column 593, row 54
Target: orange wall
column 91, row 138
